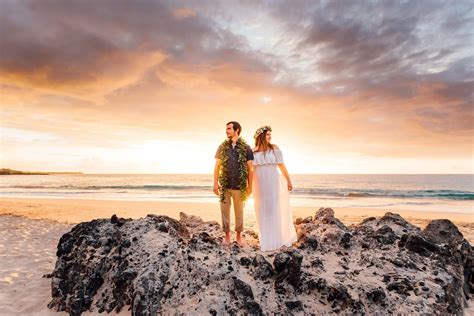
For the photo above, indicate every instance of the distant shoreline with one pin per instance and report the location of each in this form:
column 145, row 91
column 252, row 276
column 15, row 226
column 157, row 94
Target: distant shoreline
column 8, row 172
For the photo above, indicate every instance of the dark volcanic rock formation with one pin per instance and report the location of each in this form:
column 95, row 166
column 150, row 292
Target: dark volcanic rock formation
column 158, row 264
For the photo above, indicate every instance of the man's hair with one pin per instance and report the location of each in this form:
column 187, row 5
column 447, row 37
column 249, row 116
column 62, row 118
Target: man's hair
column 236, row 126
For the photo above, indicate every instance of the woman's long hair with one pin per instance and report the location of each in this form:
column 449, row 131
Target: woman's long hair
column 261, row 142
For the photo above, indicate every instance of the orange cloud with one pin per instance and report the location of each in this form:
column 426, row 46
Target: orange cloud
column 140, row 83
column 183, row 13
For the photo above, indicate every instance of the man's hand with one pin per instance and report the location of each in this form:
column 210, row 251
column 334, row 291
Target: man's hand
column 249, row 191
column 216, row 176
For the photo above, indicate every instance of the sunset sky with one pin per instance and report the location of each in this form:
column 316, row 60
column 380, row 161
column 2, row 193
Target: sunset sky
column 147, row 86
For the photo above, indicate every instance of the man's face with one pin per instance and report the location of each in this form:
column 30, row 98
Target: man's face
column 230, row 132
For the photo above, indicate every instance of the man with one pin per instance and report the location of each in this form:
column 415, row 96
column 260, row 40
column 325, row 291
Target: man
column 233, row 178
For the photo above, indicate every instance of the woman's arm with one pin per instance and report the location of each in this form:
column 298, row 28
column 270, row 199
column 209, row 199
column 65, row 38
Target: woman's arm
column 284, row 171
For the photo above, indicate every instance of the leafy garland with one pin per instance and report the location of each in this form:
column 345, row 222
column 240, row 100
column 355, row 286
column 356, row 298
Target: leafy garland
column 223, row 172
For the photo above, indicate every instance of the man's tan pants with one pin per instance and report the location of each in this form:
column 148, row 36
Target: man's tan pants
column 238, row 210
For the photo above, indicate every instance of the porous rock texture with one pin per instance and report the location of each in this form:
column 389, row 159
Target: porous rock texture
column 159, row 265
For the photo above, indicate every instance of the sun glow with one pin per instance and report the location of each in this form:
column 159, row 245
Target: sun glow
column 266, row 99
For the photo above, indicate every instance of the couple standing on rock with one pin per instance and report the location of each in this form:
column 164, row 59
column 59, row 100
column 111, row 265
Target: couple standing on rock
column 241, row 171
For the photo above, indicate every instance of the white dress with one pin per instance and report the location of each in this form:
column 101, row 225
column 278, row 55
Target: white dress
column 272, row 202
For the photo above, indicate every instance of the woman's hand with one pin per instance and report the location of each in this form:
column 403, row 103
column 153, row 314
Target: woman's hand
column 249, row 191
column 290, row 185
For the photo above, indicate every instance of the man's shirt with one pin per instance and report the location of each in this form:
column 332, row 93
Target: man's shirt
column 233, row 164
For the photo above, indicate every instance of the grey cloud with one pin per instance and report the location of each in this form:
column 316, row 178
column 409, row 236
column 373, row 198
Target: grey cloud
column 379, row 38
column 80, row 40
column 372, row 50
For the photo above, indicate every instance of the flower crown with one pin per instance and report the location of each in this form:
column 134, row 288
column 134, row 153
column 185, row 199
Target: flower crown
column 261, row 130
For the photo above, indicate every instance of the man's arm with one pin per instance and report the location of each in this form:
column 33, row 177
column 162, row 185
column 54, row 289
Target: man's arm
column 250, row 176
column 250, row 158
column 216, row 176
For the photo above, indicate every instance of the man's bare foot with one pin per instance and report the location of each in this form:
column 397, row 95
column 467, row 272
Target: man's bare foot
column 227, row 239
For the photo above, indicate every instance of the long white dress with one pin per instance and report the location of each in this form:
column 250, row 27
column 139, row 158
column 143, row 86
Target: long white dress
column 272, row 202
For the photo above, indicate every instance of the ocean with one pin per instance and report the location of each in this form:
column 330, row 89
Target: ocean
column 434, row 193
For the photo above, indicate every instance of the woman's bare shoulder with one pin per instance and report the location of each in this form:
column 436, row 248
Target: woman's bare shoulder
column 275, row 146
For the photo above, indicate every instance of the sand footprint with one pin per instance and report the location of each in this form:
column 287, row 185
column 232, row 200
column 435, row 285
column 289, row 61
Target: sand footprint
column 9, row 279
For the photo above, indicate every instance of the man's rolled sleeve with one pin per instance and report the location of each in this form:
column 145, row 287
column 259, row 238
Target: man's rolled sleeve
column 249, row 153
column 217, row 152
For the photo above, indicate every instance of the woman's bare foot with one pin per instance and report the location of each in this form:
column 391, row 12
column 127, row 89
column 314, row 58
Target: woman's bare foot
column 239, row 241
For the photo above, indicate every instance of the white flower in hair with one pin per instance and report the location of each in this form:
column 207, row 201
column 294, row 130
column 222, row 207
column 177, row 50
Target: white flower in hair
column 261, row 130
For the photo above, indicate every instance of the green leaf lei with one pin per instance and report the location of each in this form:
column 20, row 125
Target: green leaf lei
column 223, row 172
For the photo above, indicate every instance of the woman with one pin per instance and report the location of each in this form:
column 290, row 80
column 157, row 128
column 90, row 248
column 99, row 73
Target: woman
column 270, row 193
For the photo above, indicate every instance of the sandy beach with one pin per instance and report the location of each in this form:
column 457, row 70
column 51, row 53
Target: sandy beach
column 72, row 211
column 31, row 229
